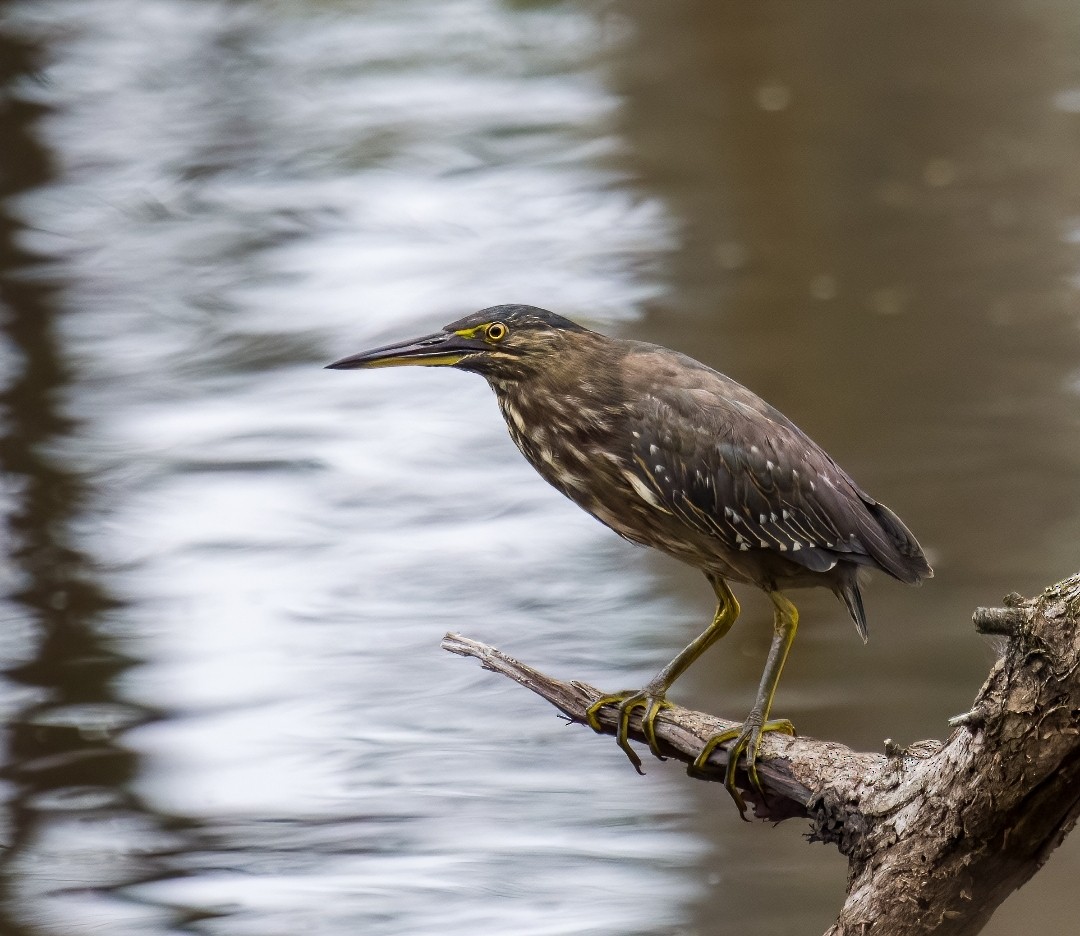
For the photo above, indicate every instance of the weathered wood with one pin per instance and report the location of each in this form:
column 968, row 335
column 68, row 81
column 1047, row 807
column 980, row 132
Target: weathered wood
column 937, row 835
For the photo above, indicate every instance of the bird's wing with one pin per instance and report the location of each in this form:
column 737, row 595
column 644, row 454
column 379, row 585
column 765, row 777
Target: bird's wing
column 734, row 468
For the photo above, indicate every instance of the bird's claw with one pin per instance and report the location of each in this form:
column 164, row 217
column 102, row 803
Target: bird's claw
column 747, row 743
column 628, row 701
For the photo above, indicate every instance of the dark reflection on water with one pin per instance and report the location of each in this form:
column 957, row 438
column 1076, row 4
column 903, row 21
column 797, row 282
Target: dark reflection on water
column 66, row 779
column 229, row 569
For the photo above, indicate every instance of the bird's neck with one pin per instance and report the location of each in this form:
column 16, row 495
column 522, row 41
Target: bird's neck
column 559, row 425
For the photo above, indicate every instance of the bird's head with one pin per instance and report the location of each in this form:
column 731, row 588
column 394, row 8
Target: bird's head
column 506, row 343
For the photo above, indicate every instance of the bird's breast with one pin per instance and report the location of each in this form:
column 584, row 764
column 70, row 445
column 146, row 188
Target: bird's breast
column 578, row 448
column 560, row 441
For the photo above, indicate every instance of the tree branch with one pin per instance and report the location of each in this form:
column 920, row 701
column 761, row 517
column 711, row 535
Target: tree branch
column 938, row 834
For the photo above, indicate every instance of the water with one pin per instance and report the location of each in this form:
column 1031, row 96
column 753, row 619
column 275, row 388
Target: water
column 229, row 570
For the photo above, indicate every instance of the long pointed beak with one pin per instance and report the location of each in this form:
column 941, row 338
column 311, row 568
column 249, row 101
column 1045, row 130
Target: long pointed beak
column 443, row 349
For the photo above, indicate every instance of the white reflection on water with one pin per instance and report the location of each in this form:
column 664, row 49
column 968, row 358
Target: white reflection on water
column 247, row 193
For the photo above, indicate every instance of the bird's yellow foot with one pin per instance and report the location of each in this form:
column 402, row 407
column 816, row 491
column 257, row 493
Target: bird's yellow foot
column 627, row 702
column 747, row 743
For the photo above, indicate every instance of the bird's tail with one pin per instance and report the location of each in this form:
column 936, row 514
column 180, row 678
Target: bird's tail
column 848, row 592
column 905, row 560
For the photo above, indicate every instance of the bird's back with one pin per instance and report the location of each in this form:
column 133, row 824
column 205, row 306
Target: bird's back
column 735, row 466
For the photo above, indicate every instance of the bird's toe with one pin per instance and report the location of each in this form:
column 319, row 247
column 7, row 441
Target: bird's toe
column 745, row 741
column 627, row 702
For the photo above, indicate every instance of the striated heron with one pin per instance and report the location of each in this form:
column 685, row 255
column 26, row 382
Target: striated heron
column 672, row 454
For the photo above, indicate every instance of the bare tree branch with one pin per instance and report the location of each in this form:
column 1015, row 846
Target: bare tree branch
column 937, row 835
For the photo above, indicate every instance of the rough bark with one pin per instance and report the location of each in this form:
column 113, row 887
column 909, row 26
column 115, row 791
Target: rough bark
column 937, row 835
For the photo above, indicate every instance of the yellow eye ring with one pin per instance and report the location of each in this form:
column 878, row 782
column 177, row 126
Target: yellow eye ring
column 496, row 331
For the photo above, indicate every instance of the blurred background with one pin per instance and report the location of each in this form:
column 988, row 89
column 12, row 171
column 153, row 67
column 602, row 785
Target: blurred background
column 227, row 571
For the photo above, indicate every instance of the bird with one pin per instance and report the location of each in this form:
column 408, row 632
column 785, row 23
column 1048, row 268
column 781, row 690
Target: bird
column 674, row 455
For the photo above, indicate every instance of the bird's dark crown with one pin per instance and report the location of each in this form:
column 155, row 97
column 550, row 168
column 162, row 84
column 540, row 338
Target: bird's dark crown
column 515, row 316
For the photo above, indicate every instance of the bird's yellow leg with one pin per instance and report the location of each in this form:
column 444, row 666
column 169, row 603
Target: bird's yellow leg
column 652, row 697
column 748, row 738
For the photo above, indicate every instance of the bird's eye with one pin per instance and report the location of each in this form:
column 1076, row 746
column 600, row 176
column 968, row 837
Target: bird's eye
column 496, row 331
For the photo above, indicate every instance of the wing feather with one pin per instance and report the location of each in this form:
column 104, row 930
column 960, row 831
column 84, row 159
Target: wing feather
column 735, row 469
